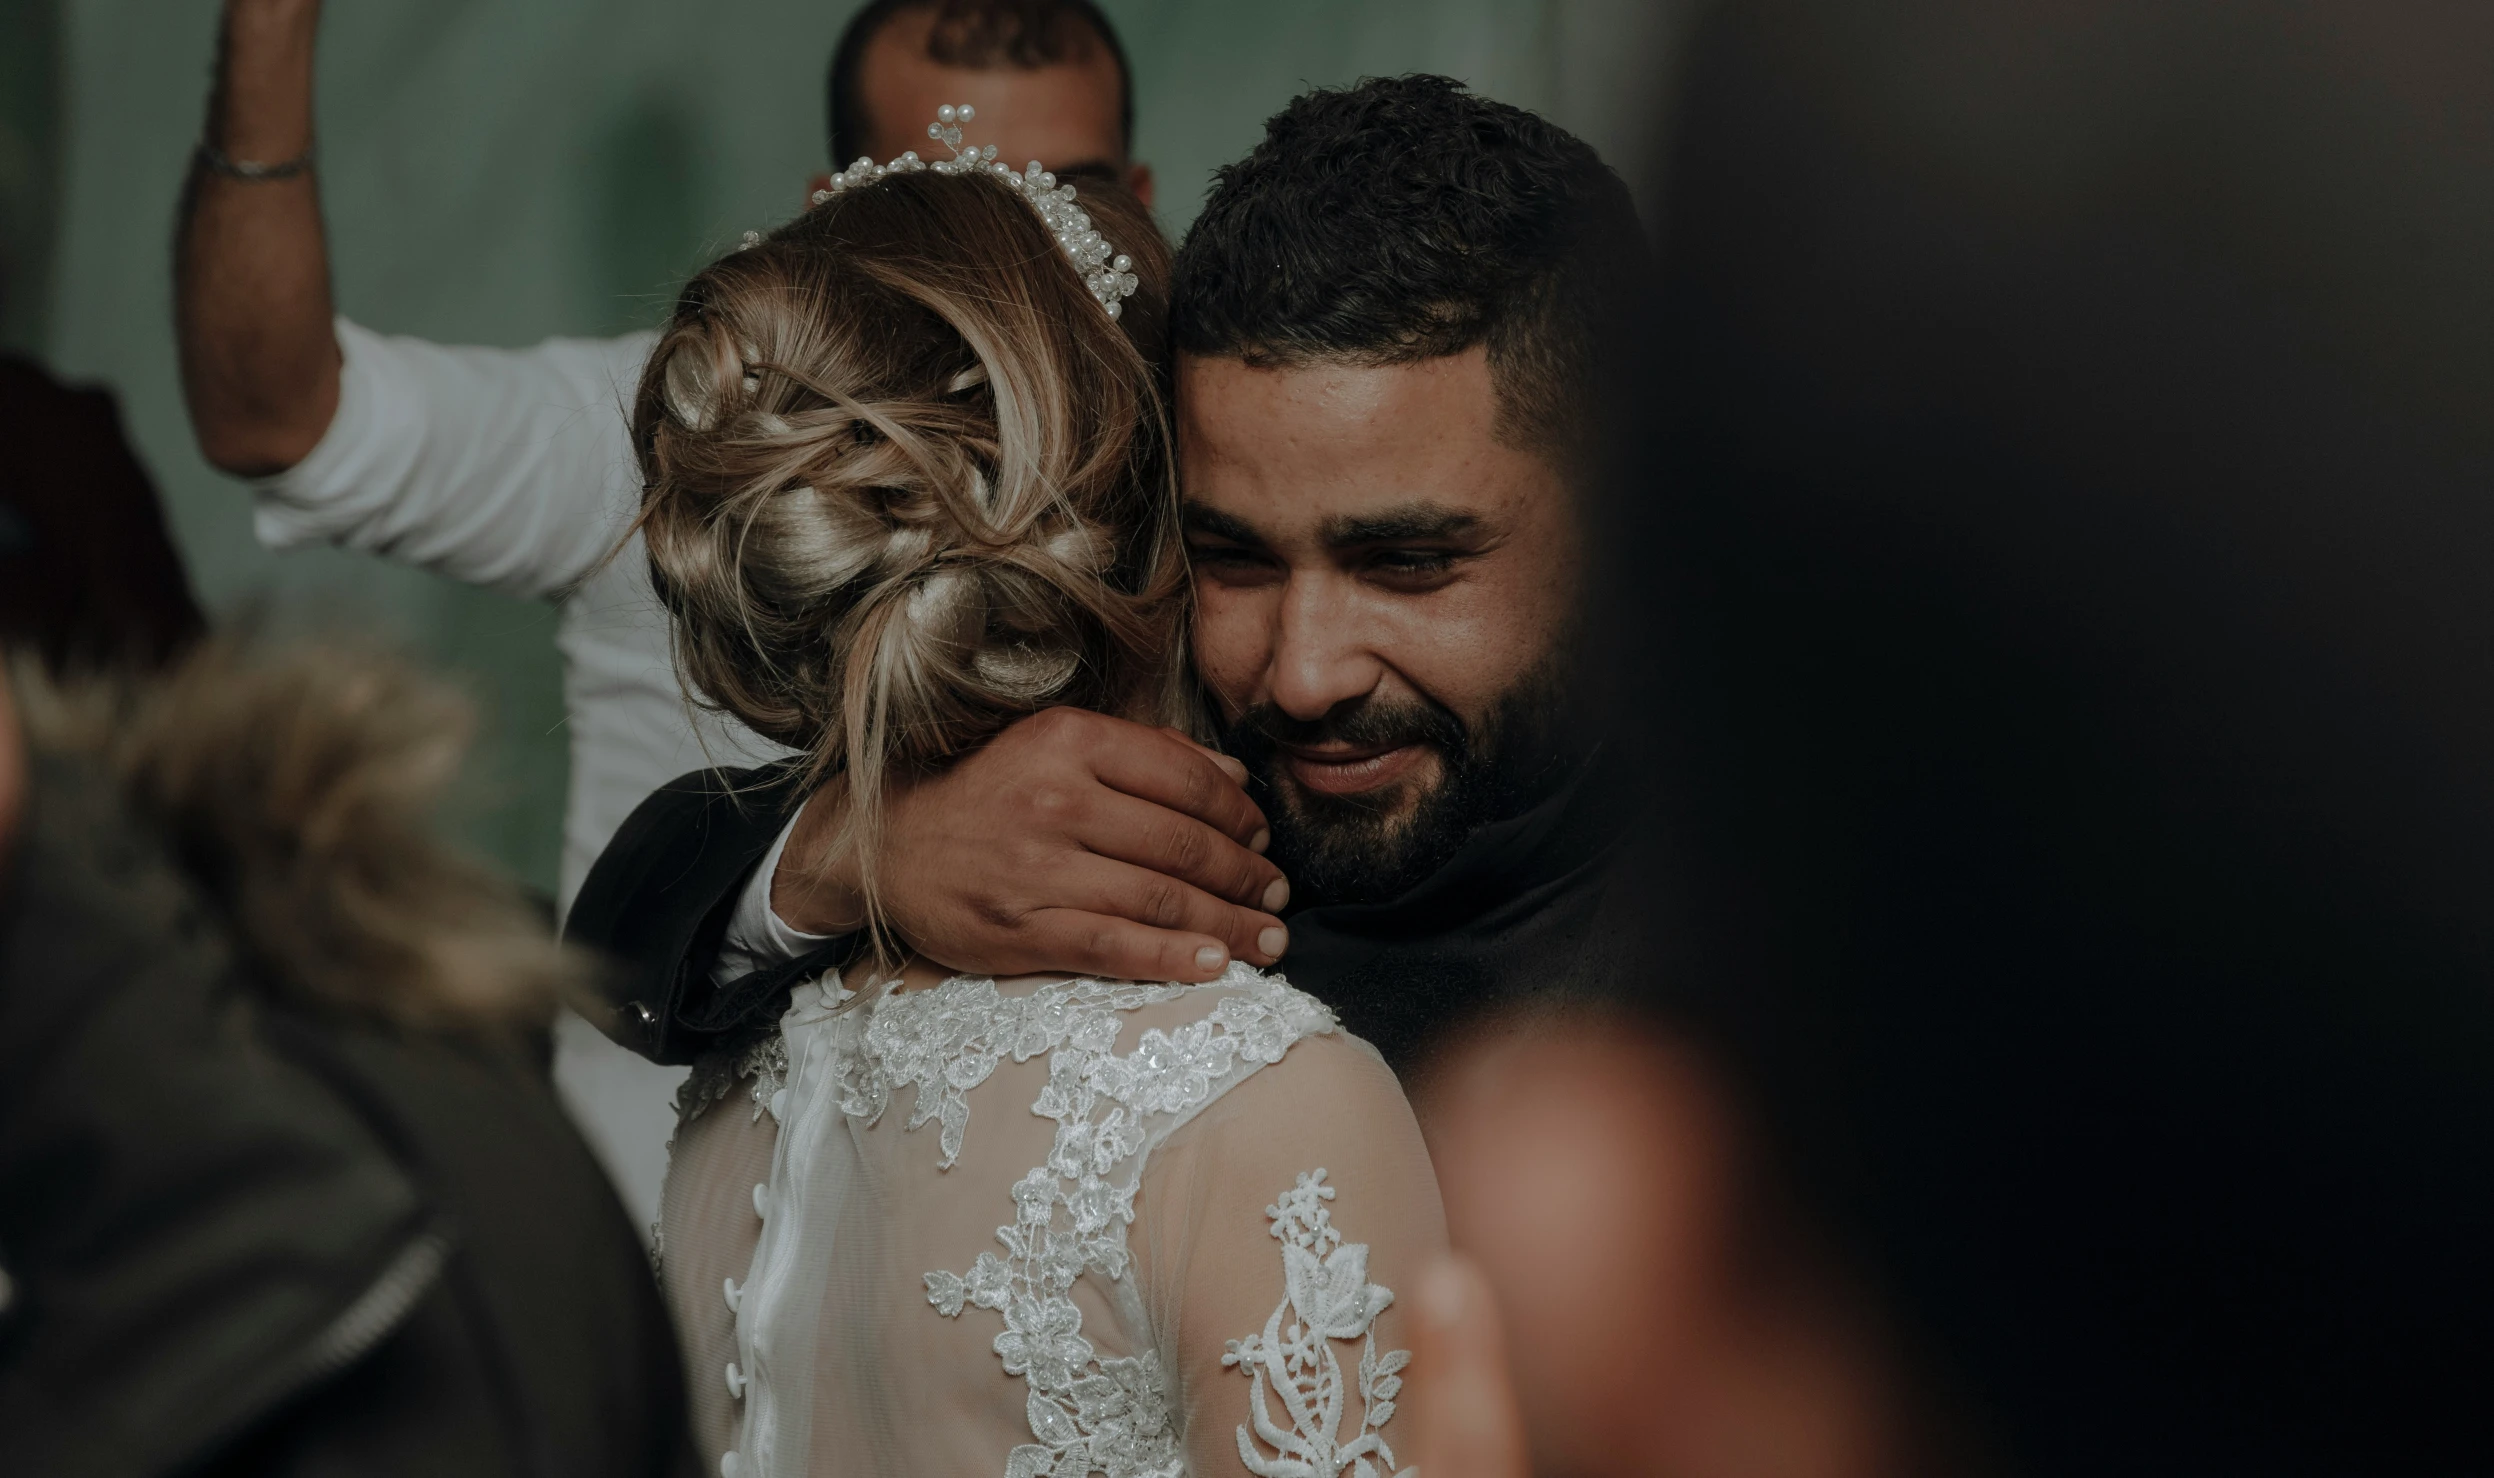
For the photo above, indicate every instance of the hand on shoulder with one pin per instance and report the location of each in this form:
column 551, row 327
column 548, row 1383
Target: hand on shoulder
column 1072, row 842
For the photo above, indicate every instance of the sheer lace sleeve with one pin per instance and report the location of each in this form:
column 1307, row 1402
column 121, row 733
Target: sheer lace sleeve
column 1270, row 1236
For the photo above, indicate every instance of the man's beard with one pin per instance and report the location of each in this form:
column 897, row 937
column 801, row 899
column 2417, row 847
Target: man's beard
column 1377, row 845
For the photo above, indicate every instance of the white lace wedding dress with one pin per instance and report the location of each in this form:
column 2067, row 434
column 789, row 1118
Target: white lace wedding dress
column 1047, row 1227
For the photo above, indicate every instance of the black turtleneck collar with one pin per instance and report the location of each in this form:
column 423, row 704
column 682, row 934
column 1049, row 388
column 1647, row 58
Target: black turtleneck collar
column 1512, row 914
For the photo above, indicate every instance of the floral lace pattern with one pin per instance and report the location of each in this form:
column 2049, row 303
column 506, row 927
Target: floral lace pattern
column 1328, row 1297
column 1086, row 1415
column 764, row 1060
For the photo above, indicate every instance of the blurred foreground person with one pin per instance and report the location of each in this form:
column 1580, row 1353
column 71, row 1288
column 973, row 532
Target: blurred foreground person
column 2067, row 639
column 282, row 1186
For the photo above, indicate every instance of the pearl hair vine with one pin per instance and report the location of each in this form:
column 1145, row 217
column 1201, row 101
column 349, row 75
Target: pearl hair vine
column 1107, row 272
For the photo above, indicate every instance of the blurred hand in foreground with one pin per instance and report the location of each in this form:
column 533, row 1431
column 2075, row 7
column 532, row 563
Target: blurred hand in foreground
column 1622, row 1303
column 1463, row 1418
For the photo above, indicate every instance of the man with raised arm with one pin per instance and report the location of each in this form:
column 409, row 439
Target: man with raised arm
column 512, row 467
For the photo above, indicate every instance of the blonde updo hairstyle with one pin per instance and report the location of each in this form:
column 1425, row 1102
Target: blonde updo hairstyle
column 904, row 481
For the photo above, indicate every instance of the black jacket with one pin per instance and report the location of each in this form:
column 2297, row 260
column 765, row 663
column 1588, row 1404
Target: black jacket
column 241, row 1239
column 1524, row 913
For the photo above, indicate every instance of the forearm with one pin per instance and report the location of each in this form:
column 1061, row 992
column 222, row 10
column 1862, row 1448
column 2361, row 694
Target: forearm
column 797, row 901
column 815, row 887
column 259, row 357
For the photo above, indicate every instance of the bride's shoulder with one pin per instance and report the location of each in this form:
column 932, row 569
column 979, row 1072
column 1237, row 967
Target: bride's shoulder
column 1263, row 1042
column 1261, row 1008
column 1165, row 1047
column 1168, row 1051
column 1037, row 1008
column 1259, row 1019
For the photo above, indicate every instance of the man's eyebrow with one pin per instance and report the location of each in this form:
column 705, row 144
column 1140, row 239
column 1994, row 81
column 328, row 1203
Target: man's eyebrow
column 1103, row 170
column 1202, row 518
column 1392, row 525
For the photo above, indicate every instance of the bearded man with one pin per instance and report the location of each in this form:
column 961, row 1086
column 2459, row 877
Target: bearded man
column 1392, row 321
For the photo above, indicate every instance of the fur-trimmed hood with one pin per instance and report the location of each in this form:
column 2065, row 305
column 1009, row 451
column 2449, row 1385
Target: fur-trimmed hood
column 297, row 786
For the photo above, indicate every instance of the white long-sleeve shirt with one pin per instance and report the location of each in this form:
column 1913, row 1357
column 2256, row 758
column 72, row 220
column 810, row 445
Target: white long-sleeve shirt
column 513, row 468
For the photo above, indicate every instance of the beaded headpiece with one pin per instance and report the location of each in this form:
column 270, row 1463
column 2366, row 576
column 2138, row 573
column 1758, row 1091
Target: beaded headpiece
column 1107, row 272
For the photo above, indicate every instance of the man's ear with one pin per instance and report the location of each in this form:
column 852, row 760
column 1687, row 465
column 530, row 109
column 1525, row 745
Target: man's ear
column 822, row 182
column 1139, row 183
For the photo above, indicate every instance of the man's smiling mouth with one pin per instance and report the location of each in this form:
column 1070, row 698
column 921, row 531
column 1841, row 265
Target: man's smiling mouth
column 1346, row 769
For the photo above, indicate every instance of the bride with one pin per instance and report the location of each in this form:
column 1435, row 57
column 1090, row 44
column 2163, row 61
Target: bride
column 908, row 478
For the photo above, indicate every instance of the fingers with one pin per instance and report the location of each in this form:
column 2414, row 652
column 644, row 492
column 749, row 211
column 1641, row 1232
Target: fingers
column 1075, row 841
column 1461, row 1401
column 1230, row 765
column 1101, row 917
column 1143, row 895
column 1121, row 949
column 1163, row 767
column 1165, row 841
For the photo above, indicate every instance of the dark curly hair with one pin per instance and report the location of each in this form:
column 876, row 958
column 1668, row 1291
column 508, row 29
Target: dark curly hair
column 1405, row 219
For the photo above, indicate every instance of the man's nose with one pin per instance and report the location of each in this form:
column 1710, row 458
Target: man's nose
column 1320, row 658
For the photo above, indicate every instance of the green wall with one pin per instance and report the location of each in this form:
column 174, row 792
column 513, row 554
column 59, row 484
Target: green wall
column 498, row 172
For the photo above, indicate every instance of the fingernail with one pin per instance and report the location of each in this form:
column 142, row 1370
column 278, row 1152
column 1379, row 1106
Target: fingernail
column 1273, row 941
column 1276, row 893
column 1213, row 956
column 1262, row 840
column 1443, row 1294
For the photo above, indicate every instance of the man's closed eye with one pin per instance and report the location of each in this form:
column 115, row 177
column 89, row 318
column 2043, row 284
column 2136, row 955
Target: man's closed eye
column 1411, row 569
column 1232, row 564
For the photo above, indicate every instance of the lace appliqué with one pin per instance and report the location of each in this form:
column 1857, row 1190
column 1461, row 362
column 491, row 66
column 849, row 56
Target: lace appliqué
column 764, row 1060
column 1328, row 1297
column 1071, row 1213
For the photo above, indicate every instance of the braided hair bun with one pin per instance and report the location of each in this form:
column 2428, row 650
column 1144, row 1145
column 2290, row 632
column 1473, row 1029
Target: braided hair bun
column 904, row 482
